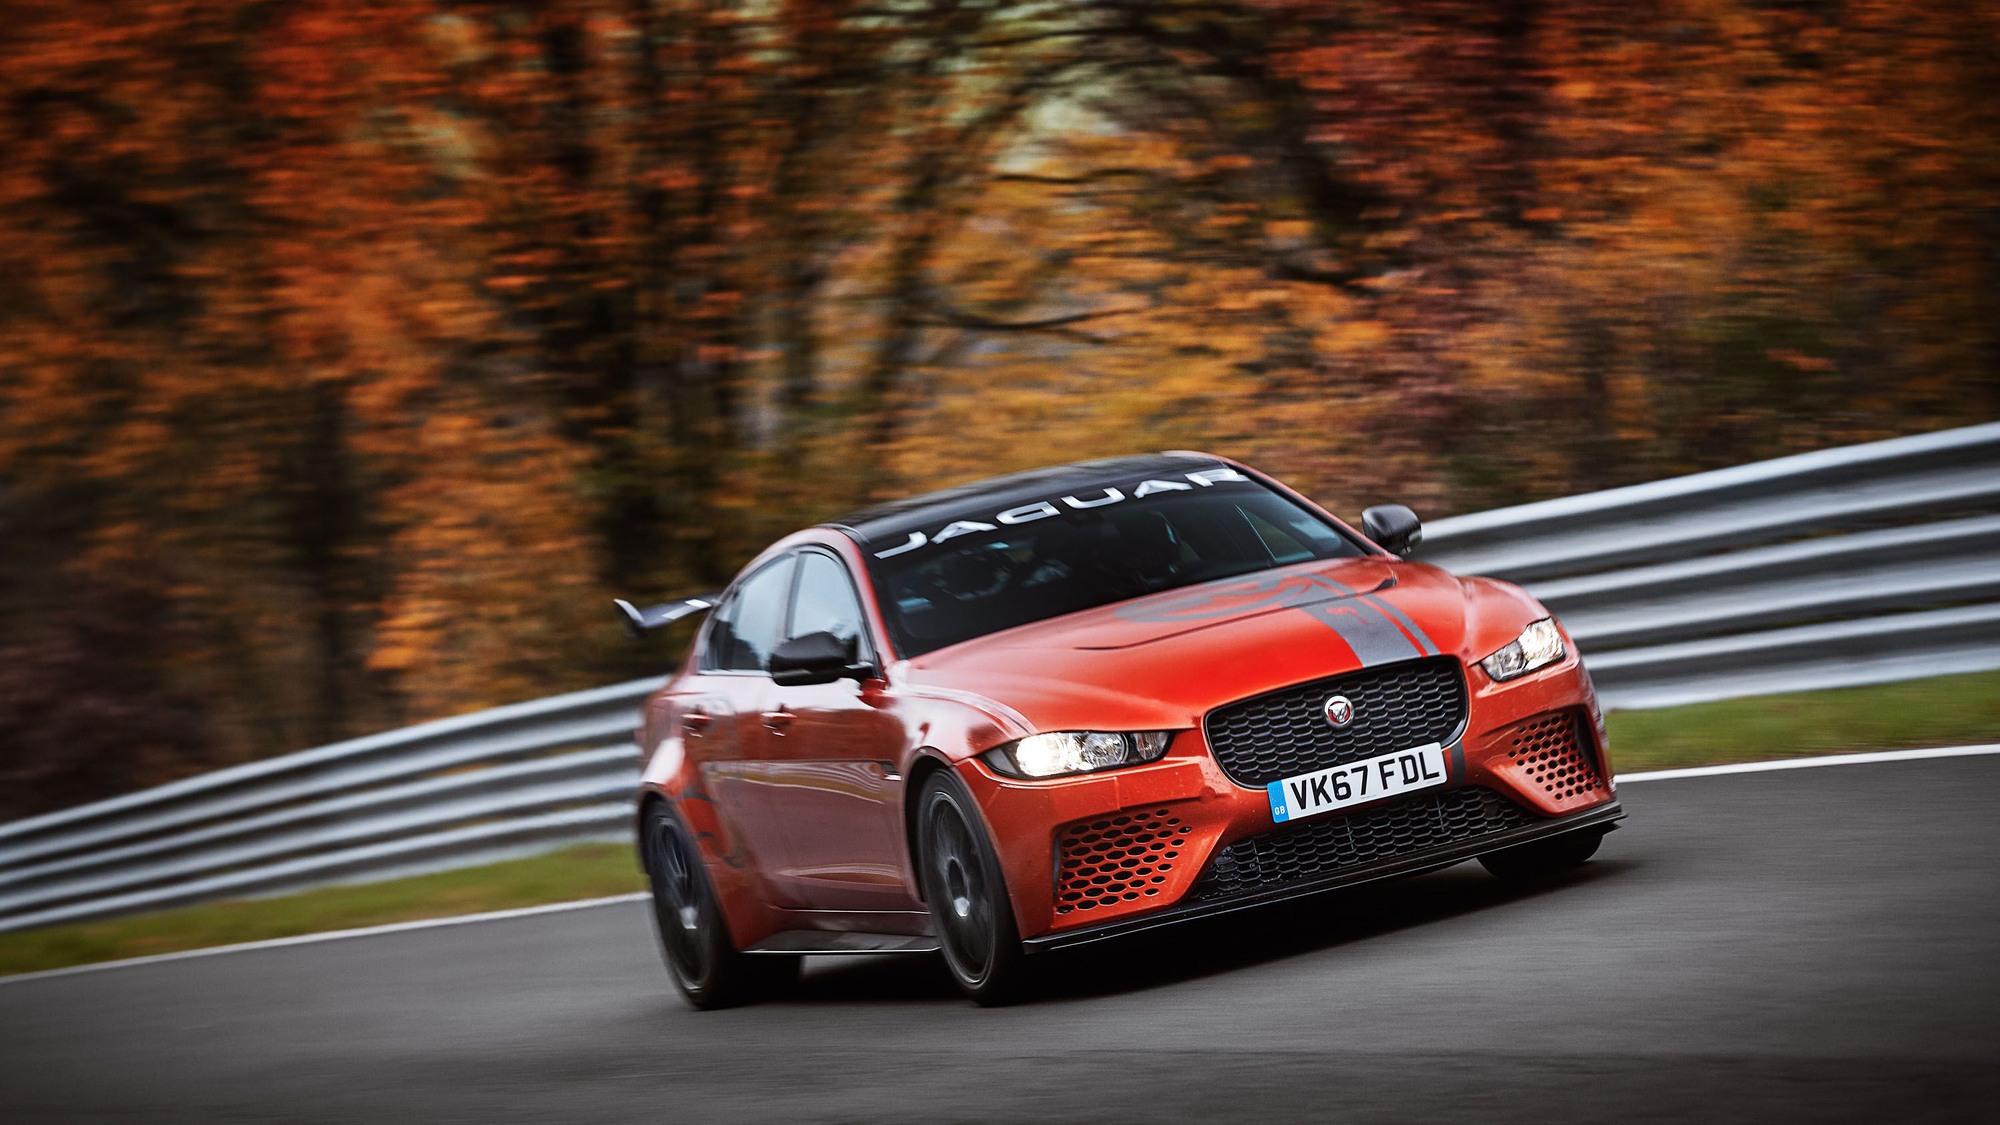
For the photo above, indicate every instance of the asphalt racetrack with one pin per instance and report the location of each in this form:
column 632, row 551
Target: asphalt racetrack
column 1813, row 945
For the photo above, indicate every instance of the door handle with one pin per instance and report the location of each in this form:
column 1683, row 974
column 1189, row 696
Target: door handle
column 777, row 721
column 695, row 722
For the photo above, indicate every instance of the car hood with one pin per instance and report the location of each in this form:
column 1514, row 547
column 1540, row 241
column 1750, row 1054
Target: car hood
column 1160, row 662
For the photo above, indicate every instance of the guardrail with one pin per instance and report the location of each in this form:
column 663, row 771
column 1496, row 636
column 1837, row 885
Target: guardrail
column 470, row 789
column 1856, row 565
column 1848, row 566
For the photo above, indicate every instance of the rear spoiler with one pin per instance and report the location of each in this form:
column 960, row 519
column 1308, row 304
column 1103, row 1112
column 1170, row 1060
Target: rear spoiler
column 637, row 620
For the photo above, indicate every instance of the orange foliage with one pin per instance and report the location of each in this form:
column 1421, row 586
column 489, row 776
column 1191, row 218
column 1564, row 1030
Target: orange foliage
column 371, row 346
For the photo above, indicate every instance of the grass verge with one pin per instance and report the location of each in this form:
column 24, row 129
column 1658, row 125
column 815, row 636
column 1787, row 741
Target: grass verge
column 1946, row 711
column 584, row 871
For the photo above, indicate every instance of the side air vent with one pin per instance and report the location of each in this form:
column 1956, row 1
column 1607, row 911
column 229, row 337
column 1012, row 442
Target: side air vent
column 1550, row 751
column 1117, row 859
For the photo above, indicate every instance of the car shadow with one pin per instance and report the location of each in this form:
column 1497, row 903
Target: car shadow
column 1210, row 946
column 1231, row 942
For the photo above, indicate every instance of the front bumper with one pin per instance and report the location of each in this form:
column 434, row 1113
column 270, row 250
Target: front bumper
column 1100, row 855
column 1606, row 815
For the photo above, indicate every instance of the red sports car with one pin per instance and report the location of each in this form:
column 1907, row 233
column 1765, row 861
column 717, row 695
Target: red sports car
column 1064, row 705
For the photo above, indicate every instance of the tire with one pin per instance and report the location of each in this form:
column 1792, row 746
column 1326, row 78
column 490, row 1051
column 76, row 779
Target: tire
column 969, row 904
column 694, row 938
column 1539, row 859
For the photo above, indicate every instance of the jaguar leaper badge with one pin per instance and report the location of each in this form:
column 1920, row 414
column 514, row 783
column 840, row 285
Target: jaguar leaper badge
column 1339, row 711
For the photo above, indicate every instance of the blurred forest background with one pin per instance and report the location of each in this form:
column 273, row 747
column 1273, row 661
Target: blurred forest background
column 353, row 354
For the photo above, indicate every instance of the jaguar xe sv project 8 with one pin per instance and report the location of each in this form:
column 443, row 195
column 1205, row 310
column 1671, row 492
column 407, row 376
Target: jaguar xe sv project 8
column 1069, row 704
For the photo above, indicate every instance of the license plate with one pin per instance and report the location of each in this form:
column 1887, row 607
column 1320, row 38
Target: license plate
column 1357, row 783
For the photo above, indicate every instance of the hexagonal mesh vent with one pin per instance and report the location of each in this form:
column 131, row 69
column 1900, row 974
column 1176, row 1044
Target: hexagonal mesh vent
column 1284, row 733
column 1117, row 859
column 1549, row 750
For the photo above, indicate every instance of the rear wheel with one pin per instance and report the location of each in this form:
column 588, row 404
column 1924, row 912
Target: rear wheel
column 1539, row 859
column 967, row 895
column 694, row 940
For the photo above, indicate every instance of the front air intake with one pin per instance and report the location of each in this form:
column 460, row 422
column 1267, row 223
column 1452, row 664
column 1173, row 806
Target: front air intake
column 1317, row 849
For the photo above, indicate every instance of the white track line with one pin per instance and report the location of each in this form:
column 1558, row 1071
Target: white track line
column 639, row 896
column 1809, row 763
column 335, row 935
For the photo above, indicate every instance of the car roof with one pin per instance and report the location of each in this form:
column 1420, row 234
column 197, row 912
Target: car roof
column 891, row 523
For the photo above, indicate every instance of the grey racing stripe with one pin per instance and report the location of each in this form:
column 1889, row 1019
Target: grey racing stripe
column 1374, row 638
column 1425, row 645
column 1424, row 641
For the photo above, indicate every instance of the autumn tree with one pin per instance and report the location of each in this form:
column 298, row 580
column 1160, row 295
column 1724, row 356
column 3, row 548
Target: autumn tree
column 353, row 354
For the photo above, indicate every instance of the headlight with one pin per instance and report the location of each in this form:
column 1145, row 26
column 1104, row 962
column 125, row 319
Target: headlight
column 1067, row 752
column 1540, row 644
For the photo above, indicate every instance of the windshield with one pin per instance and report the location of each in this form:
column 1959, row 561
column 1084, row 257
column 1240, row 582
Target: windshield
column 981, row 581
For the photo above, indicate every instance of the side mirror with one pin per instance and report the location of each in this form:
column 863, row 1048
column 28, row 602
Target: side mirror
column 816, row 658
column 1394, row 527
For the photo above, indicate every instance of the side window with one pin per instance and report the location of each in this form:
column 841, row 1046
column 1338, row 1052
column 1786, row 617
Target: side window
column 756, row 618
column 720, row 638
column 825, row 602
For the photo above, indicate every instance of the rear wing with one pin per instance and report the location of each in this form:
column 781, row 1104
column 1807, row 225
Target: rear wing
column 637, row 620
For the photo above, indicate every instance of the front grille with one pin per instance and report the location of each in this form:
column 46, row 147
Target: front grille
column 1551, row 752
column 1116, row 859
column 1284, row 733
column 1319, row 848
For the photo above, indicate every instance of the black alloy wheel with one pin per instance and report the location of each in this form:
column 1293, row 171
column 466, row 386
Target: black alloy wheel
column 1539, row 859
column 694, row 939
column 967, row 896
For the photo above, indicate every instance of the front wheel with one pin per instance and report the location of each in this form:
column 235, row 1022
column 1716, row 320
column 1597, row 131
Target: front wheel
column 694, row 939
column 967, row 895
column 1538, row 859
